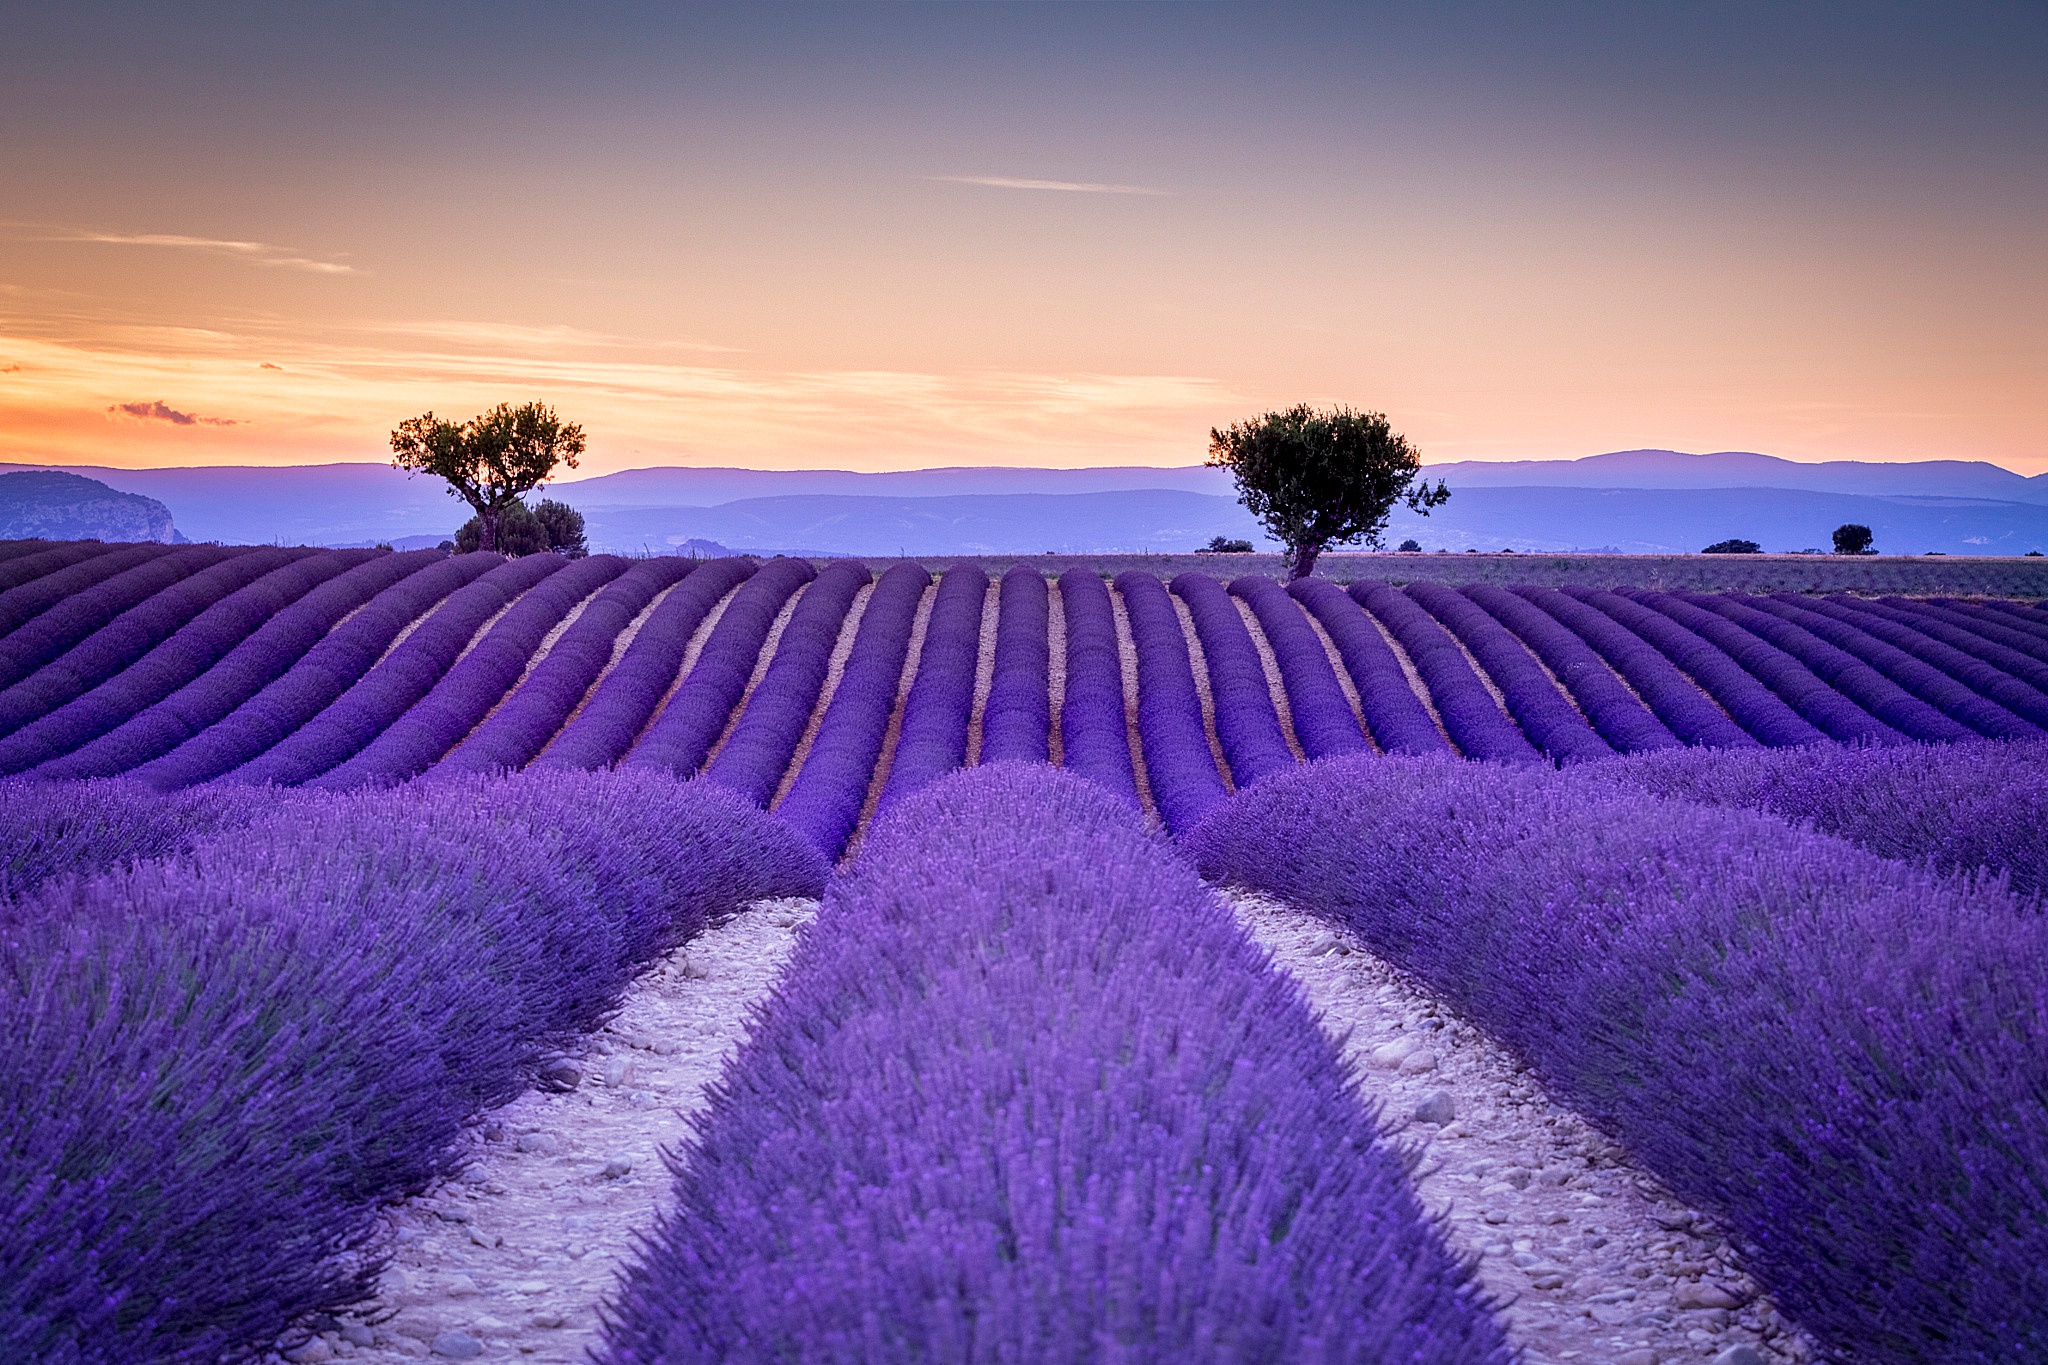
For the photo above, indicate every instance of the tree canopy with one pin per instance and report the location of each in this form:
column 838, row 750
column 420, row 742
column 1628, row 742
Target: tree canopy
column 1318, row 479
column 490, row 460
column 1733, row 547
column 1854, row 539
column 547, row 527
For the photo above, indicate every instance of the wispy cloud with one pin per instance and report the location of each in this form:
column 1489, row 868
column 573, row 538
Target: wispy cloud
column 260, row 253
column 160, row 411
column 515, row 337
column 1005, row 182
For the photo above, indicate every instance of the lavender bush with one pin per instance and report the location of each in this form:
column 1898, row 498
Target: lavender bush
column 1027, row 1092
column 1843, row 1058
column 31, row 586
column 2001, row 627
column 931, row 741
column 763, row 740
column 824, row 802
column 1547, row 718
column 1095, row 732
column 297, row 694
column 1962, row 650
column 1614, row 712
column 221, row 1064
column 54, row 829
column 188, row 652
column 529, row 718
column 1016, row 721
column 1324, row 722
column 78, row 615
column 1393, row 713
column 1247, row 723
column 679, row 738
column 1180, row 767
column 617, row 711
column 1469, row 711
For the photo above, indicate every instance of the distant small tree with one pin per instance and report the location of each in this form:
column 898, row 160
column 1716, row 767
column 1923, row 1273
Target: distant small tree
column 1733, row 547
column 1318, row 479
column 1224, row 545
column 564, row 527
column 1411, row 547
column 1852, row 539
column 490, row 460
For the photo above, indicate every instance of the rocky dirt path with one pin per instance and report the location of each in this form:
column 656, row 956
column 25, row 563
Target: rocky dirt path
column 511, row 1260
column 1594, row 1261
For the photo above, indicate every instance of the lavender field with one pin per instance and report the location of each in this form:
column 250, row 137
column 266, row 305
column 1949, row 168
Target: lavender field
column 418, row 955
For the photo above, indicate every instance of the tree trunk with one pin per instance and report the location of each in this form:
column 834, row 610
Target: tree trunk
column 487, row 529
column 1304, row 559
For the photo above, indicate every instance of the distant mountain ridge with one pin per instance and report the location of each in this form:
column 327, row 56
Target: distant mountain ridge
column 50, row 505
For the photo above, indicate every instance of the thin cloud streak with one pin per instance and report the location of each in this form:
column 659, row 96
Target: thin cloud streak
column 1004, row 182
column 261, row 253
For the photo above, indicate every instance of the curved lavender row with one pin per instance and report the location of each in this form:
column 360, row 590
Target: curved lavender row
column 1468, row 709
column 1179, row 765
column 16, row 549
column 1964, row 807
column 1912, row 665
column 1549, row 721
column 697, row 713
column 617, row 712
column 1785, row 674
column 824, row 803
column 2027, row 614
column 1757, row 709
column 1846, row 672
column 57, row 829
column 1615, row 713
column 81, row 614
column 1395, row 715
column 223, row 1065
column 932, row 740
column 380, row 696
column 129, row 636
column 463, row 695
column 757, row 752
column 31, row 586
column 1016, row 721
column 1322, row 716
column 1247, row 723
column 296, row 694
column 1095, row 732
column 1127, row 1138
column 1960, row 645
column 1869, row 1126
column 529, row 718
column 185, row 655
column 1990, row 625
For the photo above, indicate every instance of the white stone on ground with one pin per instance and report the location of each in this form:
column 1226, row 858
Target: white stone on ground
column 510, row 1260
column 1592, row 1258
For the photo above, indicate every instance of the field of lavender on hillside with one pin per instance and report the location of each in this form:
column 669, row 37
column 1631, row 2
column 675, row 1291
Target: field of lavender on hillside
column 316, row 866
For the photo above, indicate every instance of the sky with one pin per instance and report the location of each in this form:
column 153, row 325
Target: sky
column 882, row 236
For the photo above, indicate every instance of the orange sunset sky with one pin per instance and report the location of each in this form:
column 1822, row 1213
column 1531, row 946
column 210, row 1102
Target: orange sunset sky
column 891, row 236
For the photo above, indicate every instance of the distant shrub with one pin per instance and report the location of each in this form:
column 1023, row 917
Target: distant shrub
column 1224, row 545
column 1854, row 539
column 564, row 527
column 1733, row 547
column 1411, row 547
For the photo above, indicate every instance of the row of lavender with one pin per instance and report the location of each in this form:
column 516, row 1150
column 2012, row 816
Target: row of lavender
column 340, row 669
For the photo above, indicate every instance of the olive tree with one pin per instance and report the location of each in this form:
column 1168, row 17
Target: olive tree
column 490, row 460
column 1318, row 479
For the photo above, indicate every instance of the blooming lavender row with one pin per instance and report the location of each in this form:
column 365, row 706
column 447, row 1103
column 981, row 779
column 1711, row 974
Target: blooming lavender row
column 465, row 693
column 31, row 559
column 187, row 653
column 1922, row 667
column 1016, row 722
column 1614, row 712
column 1095, row 731
column 931, row 741
column 29, row 587
column 253, row 724
column 1028, row 1093
column 1842, row 1058
column 1784, row 674
column 220, row 1065
column 1393, row 713
column 2001, row 628
column 824, row 802
column 1247, row 723
column 1547, row 718
column 78, row 616
column 599, row 734
column 757, row 753
column 1754, row 707
column 1841, row 670
column 1324, row 722
column 2028, row 613
column 1973, row 806
column 1986, row 664
column 529, row 718
column 1180, row 767
column 404, row 675
column 56, row 829
column 696, row 715
column 1469, row 711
